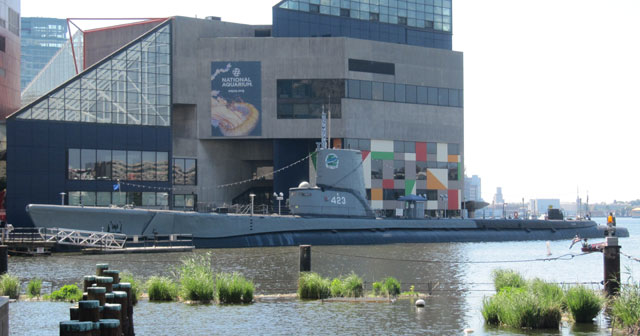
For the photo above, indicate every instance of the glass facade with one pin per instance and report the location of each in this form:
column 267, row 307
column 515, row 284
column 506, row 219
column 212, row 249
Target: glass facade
column 429, row 14
column 41, row 38
column 185, row 171
column 108, row 165
column 305, row 98
column 403, row 93
column 132, row 87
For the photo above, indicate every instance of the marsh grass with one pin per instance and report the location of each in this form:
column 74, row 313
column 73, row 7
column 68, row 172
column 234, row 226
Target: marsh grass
column 548, row 292
column 136, row 290
column 70, row 293
column 10, row 286
column 161, row 289
column 197, row 278
column 349, row 286
column 233, row 288
column 583, row 303
column 625, row 309
column 34, row 288
column 503, row 278
column 521, row 308
column 312, row 286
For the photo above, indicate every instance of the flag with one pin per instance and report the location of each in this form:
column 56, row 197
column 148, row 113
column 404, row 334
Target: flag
column 116, row 186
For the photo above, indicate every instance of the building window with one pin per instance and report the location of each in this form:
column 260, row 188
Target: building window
column 306, row 98
column 186, row 202
column 2, row 43
column 14, row 22
column 184, row 171
column 105, row 165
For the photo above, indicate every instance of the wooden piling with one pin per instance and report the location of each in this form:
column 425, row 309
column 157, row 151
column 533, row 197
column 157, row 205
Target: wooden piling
column 305, row 258
column 77, row 328
column 106, row 282
column 89, row 310
column 97, row 293
column 612, row 266
column 120, row 297
column 110, row 327
column 4, row 259
column 88, row 281
column 112, row 273
column 101, row 268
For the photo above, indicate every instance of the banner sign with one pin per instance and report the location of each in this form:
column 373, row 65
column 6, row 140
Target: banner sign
column 236, row 98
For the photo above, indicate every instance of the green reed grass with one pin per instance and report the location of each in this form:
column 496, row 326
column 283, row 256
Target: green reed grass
column 161, row 289
column 10, row 286
column 521, row 308
column 312, row 286
column 507, row 278
column 70, row 293
column 197, row 278
column 583, row 303
column 233, row 288
column 349, row 286
column 34, row 288
column 136, row 290
column 625, row 309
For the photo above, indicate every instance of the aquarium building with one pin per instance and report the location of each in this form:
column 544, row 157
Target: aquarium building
column 190, row 113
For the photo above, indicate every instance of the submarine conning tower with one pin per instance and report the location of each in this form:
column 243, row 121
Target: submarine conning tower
column 339, row 189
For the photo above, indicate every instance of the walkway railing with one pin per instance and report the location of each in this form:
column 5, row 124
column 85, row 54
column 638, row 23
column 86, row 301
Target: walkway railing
column 82, row 238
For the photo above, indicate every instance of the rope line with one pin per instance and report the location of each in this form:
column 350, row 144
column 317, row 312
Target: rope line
column 630, row 257
column 567, row 256
column 181, row 187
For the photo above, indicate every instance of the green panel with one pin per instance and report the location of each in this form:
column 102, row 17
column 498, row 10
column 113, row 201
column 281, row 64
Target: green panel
column 382, row 156
column 314, row 159
column 459, row 171
column 408, row 186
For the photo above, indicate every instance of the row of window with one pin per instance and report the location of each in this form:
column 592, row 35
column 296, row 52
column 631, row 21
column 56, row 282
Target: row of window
column 403, row 93
column 399, row 169
column 144, row 199
column 306, row 98
column 394, row 194
column 104, row 164
column 185, row 171
column 433, row 14
column 401, row 146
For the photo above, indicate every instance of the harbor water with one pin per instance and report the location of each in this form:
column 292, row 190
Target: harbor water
column 458, row 275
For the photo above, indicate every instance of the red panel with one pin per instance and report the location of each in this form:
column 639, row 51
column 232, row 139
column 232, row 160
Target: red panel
column 365, row 153
column 421, row 151
column 387, row 184
column 454, row 204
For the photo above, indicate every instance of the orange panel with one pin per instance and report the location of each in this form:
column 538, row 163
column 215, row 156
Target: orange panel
column 453, row 158
column 337, row 143
column 376, row 194
column 433, row 183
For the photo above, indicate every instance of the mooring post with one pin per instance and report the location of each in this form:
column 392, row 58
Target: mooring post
column 4, row 259
column 305, row 258
column 612, row 266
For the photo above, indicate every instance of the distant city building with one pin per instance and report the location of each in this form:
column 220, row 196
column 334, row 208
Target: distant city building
column 540, row 206
column 41, row 38
column 473, row 188
column 9, row 57
column 498, row 199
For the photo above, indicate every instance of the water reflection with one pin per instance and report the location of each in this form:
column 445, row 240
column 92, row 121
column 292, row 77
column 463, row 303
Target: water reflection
column 461, row 270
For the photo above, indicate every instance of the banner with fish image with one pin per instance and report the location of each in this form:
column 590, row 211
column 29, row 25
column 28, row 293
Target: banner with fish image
column 236, row 99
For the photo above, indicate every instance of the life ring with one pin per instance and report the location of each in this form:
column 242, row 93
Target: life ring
column 515, row 215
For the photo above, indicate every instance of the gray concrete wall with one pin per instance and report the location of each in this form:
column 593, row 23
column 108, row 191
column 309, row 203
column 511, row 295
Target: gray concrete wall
column 100, row 43
column 197, row 43
column 4, row 316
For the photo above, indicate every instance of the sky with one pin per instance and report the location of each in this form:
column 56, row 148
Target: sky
column 551, row 88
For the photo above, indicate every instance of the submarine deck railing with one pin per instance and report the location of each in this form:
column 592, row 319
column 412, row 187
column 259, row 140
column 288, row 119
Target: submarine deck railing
column 83, row 238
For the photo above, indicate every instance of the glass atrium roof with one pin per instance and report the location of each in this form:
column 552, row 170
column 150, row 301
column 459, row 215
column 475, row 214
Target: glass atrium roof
column 429, row 14
column 132, row 86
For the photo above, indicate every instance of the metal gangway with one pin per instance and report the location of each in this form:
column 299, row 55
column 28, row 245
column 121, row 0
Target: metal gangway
column 105, row 240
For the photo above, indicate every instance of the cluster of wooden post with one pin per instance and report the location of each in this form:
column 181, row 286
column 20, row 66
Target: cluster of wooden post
column 106, row 308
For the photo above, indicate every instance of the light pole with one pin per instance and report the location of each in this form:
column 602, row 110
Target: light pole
column 279, row 197
column 62, row 198
column 252, row 195
column 444, row 198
